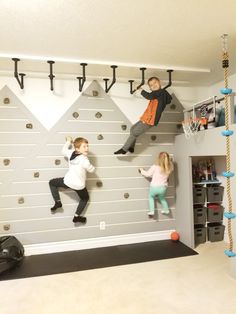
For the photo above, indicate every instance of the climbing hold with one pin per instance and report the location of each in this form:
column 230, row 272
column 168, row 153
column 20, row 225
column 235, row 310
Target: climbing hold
column 29, row 126
column 227, row 132
column 21, row 200
column 172, row 106
column 57, row 162
column 229, row 215
column 6, row 100
column 6, row 227
column 95, row 93
column 98, row 115
column 126, row 195
column 124, row 127
column 228, row 174
column 153, row 137
column 100, row 137
column 99, row 184
column 6, row 162
column 75, row 115
column 36, row 174
column 230, row 253
column 226, row 91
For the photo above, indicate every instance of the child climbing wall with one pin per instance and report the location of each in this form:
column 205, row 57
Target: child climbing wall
column 158, row 99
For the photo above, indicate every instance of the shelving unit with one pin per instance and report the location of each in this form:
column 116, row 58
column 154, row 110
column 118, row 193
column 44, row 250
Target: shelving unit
column 208, row 211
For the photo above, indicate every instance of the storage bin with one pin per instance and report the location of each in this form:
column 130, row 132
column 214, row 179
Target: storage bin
column 215, row 193
column 214, row 212
column 215, row 231
column 199, row 234
column 199, row 214
column 199, row 194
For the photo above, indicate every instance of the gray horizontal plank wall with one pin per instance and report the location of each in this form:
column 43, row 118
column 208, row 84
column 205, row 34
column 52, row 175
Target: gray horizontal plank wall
column 36, row 157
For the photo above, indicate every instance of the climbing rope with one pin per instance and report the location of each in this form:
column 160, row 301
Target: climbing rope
column 227, row 133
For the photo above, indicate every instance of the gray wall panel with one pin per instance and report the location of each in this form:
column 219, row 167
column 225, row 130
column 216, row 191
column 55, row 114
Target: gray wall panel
column 68, row 196
column 42, row 211
column 168, row 116
column 66, row 223
column 93, row 232
column 25, row 200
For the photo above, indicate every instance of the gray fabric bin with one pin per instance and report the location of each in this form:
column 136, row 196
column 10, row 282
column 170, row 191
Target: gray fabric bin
column 215, row 231
column 214, row 212
column 199, row 194
column 215, row 193
column 199, row 215
column 199, row 234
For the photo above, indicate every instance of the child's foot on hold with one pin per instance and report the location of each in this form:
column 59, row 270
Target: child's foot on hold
column 131, row 150
column 150, row 214
column 57, row 205
column 80, row 219
column 166, row 211
column 120, row 152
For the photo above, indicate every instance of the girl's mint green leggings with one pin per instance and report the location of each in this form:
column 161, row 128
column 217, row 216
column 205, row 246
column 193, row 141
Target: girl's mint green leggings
column 159, row 191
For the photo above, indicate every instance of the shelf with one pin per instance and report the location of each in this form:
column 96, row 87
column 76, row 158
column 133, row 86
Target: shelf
column 207, row 182
column 217, row 202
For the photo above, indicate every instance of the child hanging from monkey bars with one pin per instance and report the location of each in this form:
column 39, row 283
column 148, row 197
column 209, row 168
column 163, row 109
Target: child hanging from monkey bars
column 158, row 99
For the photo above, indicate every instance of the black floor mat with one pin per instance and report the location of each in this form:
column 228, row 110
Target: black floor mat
column 56, row 263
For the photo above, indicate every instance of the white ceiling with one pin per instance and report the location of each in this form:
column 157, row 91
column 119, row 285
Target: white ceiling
column 160, row 34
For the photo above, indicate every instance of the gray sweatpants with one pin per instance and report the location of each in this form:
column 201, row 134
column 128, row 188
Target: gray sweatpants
column 136, row 130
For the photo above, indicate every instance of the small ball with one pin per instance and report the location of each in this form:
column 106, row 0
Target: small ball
column 175, row 236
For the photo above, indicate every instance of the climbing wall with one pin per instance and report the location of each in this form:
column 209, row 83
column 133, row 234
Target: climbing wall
column 31, row 156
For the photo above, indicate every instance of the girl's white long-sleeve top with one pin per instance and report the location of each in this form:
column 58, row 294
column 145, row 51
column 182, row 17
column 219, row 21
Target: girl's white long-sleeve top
column 75, row 177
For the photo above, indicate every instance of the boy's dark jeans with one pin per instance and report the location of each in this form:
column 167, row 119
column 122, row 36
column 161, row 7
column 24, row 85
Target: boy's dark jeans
column 56, row 183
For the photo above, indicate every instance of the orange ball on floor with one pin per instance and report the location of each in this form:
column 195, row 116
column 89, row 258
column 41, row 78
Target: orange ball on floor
column 174, row 236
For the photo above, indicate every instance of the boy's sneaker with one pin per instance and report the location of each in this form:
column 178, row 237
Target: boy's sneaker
column 80, row 219
column 56, row 206
column 150, row 214
column 120, row 152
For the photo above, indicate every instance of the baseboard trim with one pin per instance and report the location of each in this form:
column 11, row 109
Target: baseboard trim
column 74, row 245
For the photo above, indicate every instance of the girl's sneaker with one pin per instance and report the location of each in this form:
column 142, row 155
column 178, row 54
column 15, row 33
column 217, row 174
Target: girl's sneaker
column 166, row 212
column 150, row 214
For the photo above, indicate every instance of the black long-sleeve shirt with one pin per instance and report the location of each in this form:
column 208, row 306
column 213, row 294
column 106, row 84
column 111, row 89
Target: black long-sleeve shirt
column 163, row 98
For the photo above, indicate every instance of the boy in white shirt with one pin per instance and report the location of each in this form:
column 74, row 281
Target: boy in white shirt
column 75, row 178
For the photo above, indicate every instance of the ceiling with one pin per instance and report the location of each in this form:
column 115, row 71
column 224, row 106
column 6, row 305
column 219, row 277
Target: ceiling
column 183, row 35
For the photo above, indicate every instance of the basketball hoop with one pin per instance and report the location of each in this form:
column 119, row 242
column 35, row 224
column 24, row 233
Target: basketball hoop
column 191, row 127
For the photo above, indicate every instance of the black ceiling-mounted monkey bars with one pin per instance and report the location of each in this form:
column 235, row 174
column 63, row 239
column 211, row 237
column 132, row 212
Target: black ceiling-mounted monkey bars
column 83, row 78
column 113, row 79
column 170, row 81
column 143, row 81
column 51, row 76
column 16, row 74
column 141, row 84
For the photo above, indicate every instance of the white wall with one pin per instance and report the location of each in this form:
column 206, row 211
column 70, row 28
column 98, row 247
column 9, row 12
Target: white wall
column 202, row 93
column 215, row 88
column 48, row 106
